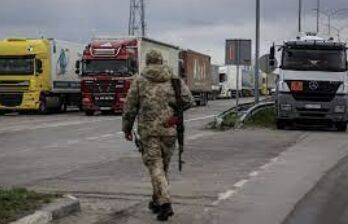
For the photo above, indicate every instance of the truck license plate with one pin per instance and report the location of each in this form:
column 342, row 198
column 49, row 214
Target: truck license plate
column 296, row 86
column 313, row 106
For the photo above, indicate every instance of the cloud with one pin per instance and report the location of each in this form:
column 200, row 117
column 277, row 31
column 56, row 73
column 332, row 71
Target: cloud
column 197, row 24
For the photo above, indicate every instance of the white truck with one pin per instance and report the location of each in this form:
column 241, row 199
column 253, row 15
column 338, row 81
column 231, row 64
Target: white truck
column 228, row 81
column 38, row 75
column 313, row 82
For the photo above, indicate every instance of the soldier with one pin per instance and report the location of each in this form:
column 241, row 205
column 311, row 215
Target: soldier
column 152, row 98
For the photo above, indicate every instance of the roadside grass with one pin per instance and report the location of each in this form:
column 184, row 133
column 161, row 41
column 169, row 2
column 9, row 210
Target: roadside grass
column 265, row 118
column 230, row 120
column 19, row 202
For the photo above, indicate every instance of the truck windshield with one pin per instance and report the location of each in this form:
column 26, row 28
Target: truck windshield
column 22, row 66
column 314, row 60
column 115, row 67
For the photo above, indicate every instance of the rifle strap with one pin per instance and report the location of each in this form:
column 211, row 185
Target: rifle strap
column 176, row 84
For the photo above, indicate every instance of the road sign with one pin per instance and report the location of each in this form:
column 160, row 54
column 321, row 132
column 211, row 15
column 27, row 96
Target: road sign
column 264, row 64
column 238, row 52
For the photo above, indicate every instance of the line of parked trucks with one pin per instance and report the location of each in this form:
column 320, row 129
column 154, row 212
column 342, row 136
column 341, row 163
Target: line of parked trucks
column 49, row 75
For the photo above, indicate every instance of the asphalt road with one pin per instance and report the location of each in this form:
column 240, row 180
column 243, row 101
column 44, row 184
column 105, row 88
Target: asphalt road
column 88, row 157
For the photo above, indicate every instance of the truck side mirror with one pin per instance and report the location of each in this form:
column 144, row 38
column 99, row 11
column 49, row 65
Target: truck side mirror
column 77, row 67
column 38, row 65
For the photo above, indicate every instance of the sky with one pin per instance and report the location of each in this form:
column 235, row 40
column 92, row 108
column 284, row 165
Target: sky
column 201, row 25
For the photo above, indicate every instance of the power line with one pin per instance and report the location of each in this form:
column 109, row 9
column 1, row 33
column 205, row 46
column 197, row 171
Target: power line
column 137, row 24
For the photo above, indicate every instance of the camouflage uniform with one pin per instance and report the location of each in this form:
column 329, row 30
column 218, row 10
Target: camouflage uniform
column 149, row 98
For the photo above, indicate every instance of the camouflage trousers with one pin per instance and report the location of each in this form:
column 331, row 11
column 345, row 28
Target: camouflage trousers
column 156, row 156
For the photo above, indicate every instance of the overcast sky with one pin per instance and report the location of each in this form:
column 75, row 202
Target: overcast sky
column 201, row 25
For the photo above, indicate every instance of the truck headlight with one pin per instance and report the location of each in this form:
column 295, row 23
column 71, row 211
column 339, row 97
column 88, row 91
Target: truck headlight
column 340, row 109
column 285, row 107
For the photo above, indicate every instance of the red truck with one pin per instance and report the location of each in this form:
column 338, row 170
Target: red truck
column 108, row 67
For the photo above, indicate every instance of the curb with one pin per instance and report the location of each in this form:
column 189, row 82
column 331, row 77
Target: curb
column 58, row 209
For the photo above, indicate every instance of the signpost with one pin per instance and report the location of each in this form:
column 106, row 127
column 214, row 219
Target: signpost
column 238, row 52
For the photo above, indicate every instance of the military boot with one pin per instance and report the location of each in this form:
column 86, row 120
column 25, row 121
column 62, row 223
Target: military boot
column 165, row 212
column 154, row 206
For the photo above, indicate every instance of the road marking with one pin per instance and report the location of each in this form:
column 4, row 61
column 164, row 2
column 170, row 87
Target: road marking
column 240, row 183
column 200, row 118
column 55, row 125
column 254, row 174
column 93, row 138
column 107, row 136
column 200, row 135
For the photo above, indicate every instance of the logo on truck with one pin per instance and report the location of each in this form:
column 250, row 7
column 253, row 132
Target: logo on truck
column 313, row 85
column 63, row 62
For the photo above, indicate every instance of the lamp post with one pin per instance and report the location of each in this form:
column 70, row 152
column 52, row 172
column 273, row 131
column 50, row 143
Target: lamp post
column 257, row 51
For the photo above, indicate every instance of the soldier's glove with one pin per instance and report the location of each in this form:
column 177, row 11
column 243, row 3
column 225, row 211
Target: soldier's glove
column 128, row 136
column 171, row 122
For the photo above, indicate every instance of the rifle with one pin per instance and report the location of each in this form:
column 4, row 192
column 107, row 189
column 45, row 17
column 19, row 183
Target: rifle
column 179, row 113
column 137, row 142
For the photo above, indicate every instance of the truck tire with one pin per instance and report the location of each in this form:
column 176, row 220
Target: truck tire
column 43, row 108
column 63, row 106
column 89, row 112
column 281, row 124
column 341, row 126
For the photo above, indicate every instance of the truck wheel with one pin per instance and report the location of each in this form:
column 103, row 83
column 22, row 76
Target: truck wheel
column 341, row 126
column 89, row 112
column 2, row 112
column 63, row 106
column 281, row 124
column 198, row 103
column 43, row 109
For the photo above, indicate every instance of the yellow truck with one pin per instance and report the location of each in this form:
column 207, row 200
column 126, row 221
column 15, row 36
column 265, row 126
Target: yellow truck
column 38, row 75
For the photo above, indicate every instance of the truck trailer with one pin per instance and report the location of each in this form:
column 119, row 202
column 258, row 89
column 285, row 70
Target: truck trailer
column 38, row 75
column 108, row 66
column 195, row 70
column 228, row 81
column 313, row 81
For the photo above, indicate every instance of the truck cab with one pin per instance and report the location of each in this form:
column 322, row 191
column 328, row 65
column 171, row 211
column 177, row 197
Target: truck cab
column 23, row 73
column 313, row 82
column 107, row 68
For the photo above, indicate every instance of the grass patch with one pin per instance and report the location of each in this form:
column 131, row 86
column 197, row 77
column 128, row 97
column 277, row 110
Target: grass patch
column 230, row 120
column 265, row 118
column 19, row 202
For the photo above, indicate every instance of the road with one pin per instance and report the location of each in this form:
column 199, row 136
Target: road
column 88, row 157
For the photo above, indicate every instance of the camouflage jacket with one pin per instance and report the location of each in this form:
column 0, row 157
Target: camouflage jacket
column 149, row 98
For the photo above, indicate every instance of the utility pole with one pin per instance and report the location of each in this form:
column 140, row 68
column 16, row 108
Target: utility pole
column 300, row 16
column 257, row 51
column 318, row 14
column 137, row 24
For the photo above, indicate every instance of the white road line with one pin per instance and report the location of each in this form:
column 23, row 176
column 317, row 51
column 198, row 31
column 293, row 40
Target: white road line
column 107, row 136
column 200, row 118
column 54, row 125
column 93, row 138
column 200, row 135
column 240, row 183
column 254, row 174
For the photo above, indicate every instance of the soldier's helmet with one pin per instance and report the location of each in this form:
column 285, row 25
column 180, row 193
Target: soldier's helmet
column 154, row 57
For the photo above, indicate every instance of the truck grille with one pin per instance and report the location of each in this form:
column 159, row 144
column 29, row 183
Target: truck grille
column 102, row 86
column 11, row 100
column 10, row 86
column 325, row 91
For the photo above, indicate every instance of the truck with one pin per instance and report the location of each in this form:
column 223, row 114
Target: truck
column 268, row 82
column 38, row 75
column 228, row 81
column 195, row 70
column 313, row 82
column 108, row 66
column 215, row 86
